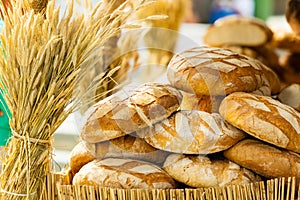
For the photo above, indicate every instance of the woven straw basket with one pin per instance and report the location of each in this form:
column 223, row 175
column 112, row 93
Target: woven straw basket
column 280, row 188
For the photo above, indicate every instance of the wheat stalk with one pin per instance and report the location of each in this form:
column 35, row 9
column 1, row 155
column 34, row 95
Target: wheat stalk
column 46, row 59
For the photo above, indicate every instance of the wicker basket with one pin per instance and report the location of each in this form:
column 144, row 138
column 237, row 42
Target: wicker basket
column 280, row 188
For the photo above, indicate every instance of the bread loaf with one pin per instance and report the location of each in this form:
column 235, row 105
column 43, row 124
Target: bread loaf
column 204, row 103
column 123, row 173
column 264, row 118
column 290, row 63
column 238, row 30
column 127, row 146
column 291, row 96
column 192, row 132
column 114, row 117
column 265, row 160
column 201, row 171
column 216, row 71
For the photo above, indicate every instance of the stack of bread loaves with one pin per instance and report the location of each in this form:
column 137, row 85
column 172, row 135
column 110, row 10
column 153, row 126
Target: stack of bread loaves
column 150, row 139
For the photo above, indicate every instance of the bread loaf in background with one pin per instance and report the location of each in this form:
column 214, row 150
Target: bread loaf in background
column 114, row 117
column 123, row 174
column 238, row 30
column 217, row 72
column 192, row 132
column 290, row 63
column 201, row 171
column 264, row 159
column 291, row 96
column 264, row 118
column 127, row 146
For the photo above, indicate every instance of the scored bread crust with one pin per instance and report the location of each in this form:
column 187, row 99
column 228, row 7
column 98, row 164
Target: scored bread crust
column 123, row 173
column 264, row 159
column 122, row 147
column 192, row 132
column 114, row 117
column 238, row 30
column 216, row 71
column 264, row 118
column 201, row 171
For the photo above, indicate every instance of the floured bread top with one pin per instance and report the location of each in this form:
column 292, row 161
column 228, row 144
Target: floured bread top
column 123, row 173
column 192, row 132
column 114, row 117
column 216, row 71
column 201, row 171
column 263, row 117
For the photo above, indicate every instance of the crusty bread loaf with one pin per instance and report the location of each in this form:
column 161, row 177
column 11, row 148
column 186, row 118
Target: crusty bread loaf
column 127, row 146
column 291, row 96
column 264, row 159
column 205, row 103
column 264, row 118
column 123, row 173
column 200, row 171
column 192, row 132
column 114, row 117
column 216, row 71
column 238, row 30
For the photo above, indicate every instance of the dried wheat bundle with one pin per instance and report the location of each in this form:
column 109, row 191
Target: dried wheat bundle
column 46, row 59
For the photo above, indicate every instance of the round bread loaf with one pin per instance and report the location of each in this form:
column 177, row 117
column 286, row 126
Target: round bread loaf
column 114, row 117
column 127, row 146
column 291, row 96
column 238, row 30
column 192, row 132
column 216, row 71
column 265, row 160
column 204, row 103
column 264, row 118
column 200, row 171
column 123, row 173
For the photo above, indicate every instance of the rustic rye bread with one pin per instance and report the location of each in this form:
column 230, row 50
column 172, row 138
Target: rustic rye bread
column 264, row 159
column 264, row 118
column 238, row 30
column 192, row 132
column 201, row 171
column 123, row 174
column 114, row 117
column 217, row 72
column 127, row 146
column 291, row 96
